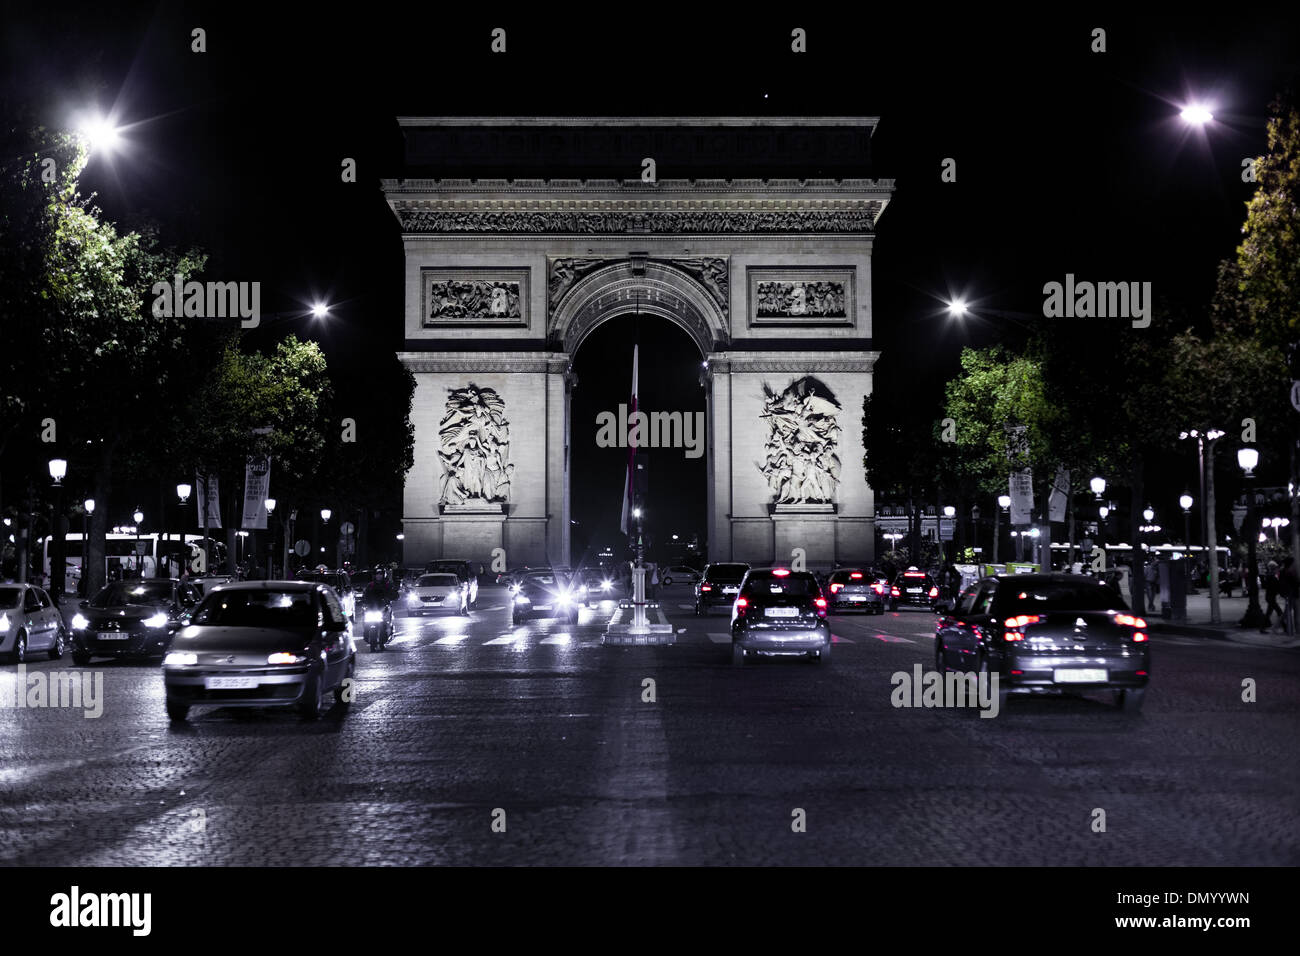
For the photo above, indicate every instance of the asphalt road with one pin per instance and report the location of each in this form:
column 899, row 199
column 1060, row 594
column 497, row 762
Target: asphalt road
column 473, row 743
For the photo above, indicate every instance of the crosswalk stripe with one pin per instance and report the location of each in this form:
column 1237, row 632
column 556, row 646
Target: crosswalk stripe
column 558, row 639
column 505, row 639
column 891, row 639
column 452, row 639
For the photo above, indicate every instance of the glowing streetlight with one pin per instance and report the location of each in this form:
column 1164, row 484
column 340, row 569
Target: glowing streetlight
column 957, row 308
column 1247, row 459
column 1196, row 115
column 58, row 468
column 1098, row 486
column 320, row 310
column 1004, row 502
column 183, row 492
column 1149, row 513
column 325, row 514
column 949, row 511
column 100, row 134
column 269, row 503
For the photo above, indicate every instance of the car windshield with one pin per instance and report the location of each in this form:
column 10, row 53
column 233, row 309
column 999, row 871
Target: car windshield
column 727, row 572
column 333, row 580
column 543, row 581
column 795, row 585
column 125, row 593
column 258, row 608
column 439, row 581
column 1015, row 597
column 446, row 567
column 10, row 597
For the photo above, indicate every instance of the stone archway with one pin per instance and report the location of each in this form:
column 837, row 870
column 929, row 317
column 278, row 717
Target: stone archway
column 591, row 292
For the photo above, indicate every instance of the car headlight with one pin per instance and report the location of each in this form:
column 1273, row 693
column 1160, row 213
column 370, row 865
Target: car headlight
column 374, row 617
column 284, row 657
column 412, row 598
column 156, row 620
column 565, row 598
column 180, row 659
column 520, row 599
column 607, row 585
column 4, row 622
column 79, row 623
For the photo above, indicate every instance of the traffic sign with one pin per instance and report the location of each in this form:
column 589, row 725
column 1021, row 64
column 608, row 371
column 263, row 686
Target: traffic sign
column 347, row 527
column 302, row 547
column 141, row 547
column 1295, row 394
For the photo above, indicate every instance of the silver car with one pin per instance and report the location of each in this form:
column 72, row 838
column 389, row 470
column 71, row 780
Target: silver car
column 29, row 621
column 257, row 644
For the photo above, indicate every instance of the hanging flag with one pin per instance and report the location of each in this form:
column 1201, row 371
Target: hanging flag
column 1056, row 500
column 629, row 485
column 1022, row 496
column 212, row 507
column 257, row 486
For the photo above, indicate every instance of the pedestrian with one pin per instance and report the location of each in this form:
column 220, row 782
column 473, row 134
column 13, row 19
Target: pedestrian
column 1271, row 588
column 1289, row 587
column 654, row 580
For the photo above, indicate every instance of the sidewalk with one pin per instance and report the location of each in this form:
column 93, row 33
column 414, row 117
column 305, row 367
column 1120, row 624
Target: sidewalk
column 1231, row 611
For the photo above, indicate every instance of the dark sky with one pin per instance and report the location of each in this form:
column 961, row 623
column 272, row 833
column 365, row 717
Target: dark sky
column 1068, row 161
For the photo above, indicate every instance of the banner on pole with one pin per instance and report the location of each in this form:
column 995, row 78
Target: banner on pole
column 213, row 507
column 257, row 486
column 1056, row 500
column 1021, row 488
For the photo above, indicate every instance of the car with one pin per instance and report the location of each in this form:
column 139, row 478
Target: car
column 30, row 621
column 679, row 573
column 718, row 585
column 340, row 581
column 438, row 592
column 594, row 585
column 1047, row 633
column 856, row 589
column 780, row 612
column 131, row 619
column 260, row 644
column 913, row 588
column 462, row 569
column 543, row 594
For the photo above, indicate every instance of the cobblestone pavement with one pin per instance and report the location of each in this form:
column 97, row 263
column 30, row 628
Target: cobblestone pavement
column 544, row 729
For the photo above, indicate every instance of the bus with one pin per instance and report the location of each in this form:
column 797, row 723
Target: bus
column 130, row 555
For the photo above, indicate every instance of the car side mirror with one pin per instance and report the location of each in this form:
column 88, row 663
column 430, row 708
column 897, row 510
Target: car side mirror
column 83, row 604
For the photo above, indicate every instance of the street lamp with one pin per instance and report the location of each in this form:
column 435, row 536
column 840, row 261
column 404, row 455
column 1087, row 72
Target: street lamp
column 1098, row 486
column 1247, row 459
column 269, row 504
column 1149, row 513
column 183, row 492
column 58, row 468
column 325, row 515
column 138, row 515
column 88, row 509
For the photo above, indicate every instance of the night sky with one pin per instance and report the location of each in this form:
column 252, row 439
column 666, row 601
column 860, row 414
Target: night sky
column 1068, row 161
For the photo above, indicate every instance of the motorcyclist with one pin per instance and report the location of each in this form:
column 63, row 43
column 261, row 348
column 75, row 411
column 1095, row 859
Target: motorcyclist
column 381, row 592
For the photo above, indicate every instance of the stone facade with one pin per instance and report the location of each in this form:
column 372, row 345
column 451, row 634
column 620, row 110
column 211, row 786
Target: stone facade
column 692, row 252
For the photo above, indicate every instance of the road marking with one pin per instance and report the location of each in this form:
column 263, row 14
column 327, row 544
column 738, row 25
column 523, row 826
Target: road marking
column 687, row 607
column 452, row 639
column 836, row 639
column 506, row 639
column 890, row 639
column 558, row 639
column 500, row 607
column 720, row 637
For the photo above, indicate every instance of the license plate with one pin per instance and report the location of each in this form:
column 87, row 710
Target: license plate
column 781, row 612
column 112, row 636
column 856, row 597
column 543, row 607
column 230, row 683
column 730, row 590
column 1080, row 675
column 913, row 590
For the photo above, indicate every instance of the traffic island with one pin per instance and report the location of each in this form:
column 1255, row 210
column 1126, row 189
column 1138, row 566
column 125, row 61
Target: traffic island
column 653, row 628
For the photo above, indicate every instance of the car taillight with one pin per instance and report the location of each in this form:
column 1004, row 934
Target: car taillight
column 780, row 572
column 934, row 592
column 1139, row 637
column 856, row 576
column 1012, row 636
column 878, row 588
column 1022, row 620
column 742, row 603
column 835, row 588
column 706, row 587
column 1128, row 620
column 821, row 606
column 894, row 592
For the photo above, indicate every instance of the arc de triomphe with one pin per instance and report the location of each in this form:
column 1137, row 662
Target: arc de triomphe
column 771, row 278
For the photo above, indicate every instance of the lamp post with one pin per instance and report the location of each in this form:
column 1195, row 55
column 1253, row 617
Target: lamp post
column 88, row 509
column 1098, row 486
column 1185, row 502
column 949, row 512
column 58, row 469
column 183, row 490
column 325, row 520
column 1247, row 459
column 138, row 517
column 270, row 503
column 1004, row 508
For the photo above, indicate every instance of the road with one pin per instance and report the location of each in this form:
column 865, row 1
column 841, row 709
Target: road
column 473, row 743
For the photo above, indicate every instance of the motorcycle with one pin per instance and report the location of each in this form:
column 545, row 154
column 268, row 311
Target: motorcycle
column 377, row 621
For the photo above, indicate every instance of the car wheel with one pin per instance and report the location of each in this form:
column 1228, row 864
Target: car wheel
column 19, row 653
column 893, row 605
column 309, row 704
column 668, row 581
column 1130, row 699
column 737, row 655
column 341, row 697
column 824, row 655
column 1004, row 692
column 514, row 621
column 177, row 713
column 80, row 658
column 939, row 664
column 60, row 644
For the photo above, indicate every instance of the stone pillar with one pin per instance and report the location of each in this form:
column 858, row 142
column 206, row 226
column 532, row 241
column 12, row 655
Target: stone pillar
column 557, row 465
column 720, row 505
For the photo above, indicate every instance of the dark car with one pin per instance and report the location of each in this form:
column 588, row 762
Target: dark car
column 718, row 586
column 133, row 618
column 463, row 570
column 1045, row 633
column 913, row 588
column 856, row 589
column 780, row 612
column 262, row 643
column 595, row 585
column 544, row 594
column 340, row 581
